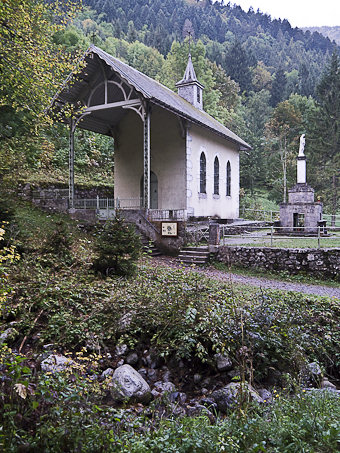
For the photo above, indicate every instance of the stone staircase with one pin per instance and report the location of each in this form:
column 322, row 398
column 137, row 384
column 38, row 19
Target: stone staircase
column 149, row 246
column 194, row 255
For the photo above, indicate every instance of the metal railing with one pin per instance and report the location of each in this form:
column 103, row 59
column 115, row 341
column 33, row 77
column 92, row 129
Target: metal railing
column 107, row 203
column 94, row 203
column 264, row 236
column 167, row 214
column 259, row 214
column 332, row 220
column 197, row 234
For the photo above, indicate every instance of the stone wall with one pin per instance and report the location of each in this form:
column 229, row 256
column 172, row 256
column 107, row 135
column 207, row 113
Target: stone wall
column 316, row 262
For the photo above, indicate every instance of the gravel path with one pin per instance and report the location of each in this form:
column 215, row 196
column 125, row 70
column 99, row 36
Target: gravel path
column 211, row 272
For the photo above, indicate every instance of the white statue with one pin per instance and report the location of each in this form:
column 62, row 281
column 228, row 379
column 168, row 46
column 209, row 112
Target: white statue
column 302, row 145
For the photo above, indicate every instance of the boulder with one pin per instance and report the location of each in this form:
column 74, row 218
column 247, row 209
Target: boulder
column 164, row 387
column 228, row 397
column 55, row 363
column 8, row 335
column 325, row 384
column 266, row 395
column 223, row 363
column 311, row 375
column 128, row 384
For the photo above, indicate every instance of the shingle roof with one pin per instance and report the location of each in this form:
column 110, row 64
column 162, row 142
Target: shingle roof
column 158, row 94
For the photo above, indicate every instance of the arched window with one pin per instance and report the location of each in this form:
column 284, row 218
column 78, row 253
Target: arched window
column 216, row 176
column 203, row 173
column 228, row 180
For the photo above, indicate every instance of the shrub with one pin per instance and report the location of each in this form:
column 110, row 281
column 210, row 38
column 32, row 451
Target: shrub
column 118, row 247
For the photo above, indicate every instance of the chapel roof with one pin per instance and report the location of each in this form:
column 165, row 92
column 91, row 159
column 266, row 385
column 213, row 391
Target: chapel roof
column 152, row 91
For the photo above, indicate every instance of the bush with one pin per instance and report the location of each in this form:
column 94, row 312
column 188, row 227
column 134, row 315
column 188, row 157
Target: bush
column 118, row 247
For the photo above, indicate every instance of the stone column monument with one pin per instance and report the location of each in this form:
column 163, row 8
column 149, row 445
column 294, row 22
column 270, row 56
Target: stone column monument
column 301, row 215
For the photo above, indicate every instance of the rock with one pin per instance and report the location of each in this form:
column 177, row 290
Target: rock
column 121, row 349
column 128, row 384
column 223, row 363
column 194, row 411
column 209, row 403
column 49, row 347
column 132, row 358
column 164, row 387
column 197, row 378
column 314, row 369
column 166, row 376
column 56, row 363
column 266, row 395
column 274, row 376
column 206, row 382
column 235, row 375
column 143, row 372
column 155, row 394
column 107, row 372
column 8, row 335
column 178, row 396
column 152, row 375
column 120, row 363
column 311, row 375
column 125, row 321
column 227, row 397
column 325, row 384
column 153, row 360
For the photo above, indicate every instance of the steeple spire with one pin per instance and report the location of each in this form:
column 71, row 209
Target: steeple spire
column 189, row 87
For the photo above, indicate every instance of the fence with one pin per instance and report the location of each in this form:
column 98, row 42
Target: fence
column 271, row 237
column 259, row 214
column 167, row 214
column 197, row 234
column 107, row 203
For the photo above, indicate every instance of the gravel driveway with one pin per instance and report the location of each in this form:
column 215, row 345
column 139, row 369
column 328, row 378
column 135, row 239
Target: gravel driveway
column 260, row 282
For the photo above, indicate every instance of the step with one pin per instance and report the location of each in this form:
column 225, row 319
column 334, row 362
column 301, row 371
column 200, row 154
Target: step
column 194, row 255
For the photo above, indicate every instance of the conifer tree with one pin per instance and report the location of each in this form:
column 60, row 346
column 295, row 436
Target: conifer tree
column 118, row 247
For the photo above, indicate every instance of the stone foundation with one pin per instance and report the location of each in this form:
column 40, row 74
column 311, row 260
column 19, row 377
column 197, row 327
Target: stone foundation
column 315, row 262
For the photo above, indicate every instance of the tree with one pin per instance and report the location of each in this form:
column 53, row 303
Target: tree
column 326, row 132
column 282, row 132
column 278, row 87
column 118, row 247
column 32, row 66
column 238, row 62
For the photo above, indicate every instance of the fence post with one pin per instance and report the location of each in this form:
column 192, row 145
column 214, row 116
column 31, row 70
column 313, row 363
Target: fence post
column 271, row 236
column 97, row 202
column 85, row 204
column 318, row 237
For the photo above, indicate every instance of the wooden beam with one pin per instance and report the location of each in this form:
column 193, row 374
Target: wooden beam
column 113, row 105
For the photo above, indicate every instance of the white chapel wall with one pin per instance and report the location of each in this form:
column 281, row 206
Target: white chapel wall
column 210, row 205
column 167, row 158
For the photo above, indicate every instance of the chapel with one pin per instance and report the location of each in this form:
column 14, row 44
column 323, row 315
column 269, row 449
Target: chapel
column 169, row 154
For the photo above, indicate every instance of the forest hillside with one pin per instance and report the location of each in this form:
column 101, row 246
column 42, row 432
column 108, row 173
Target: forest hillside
column 263, row 79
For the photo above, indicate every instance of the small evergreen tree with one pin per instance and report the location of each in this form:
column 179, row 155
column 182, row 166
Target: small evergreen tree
column 118, row 247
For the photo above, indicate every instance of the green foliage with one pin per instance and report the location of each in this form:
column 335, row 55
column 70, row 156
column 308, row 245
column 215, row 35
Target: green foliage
column 118, row 247
column 177, row 313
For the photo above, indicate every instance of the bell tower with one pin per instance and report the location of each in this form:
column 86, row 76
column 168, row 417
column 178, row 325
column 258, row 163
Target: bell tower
column 189, row 87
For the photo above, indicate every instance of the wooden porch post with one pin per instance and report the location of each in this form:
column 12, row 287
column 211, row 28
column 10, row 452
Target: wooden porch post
column 146, row 188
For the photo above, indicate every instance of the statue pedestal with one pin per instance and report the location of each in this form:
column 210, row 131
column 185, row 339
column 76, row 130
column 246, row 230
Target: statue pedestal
column 301, row 170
